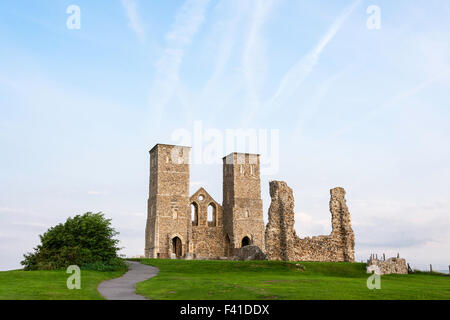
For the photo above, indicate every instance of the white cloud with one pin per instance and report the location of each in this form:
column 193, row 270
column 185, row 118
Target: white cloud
column 135, row 22
column 29, row 224
column 307, row 226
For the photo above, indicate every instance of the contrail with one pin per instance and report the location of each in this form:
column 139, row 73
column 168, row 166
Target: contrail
column 187, row 22
column 130, row 7
column 302, row 69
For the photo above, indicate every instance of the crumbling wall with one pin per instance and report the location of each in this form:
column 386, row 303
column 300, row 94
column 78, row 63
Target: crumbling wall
column 282, row 243
column 342, row 232
column 280, row 234
column 389, row 266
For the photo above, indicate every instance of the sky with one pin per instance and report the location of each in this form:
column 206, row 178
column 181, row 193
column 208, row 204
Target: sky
column 348, row 93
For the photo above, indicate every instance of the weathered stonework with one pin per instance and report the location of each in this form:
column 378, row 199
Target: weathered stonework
column 198, row 227
column 168, row 204
column 390, row 266
column 282, row 242
column 179, row 226
column 250, row 252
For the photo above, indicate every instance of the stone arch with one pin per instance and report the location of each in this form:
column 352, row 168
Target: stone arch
column 246, row 241
column 194, row 213
column 177, row 247
column 212, row 214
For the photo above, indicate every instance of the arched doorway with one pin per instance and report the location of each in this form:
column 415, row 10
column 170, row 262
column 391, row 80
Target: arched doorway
column 245, row 241
column 177, row 246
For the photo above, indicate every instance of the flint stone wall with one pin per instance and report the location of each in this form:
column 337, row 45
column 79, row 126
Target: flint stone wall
column 282, row 242
column 390, row 266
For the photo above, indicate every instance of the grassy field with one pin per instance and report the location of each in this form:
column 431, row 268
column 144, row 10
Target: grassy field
column 51, row 285
column 181, row 279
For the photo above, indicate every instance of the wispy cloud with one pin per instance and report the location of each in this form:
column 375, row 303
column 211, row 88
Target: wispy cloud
column 303, row 68
column 187, row 22
column 131, row 9
column 253, row 58
column 396, row 100
column 223, row 36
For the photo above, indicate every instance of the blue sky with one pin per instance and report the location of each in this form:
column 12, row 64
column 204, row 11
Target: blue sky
column 359, row 108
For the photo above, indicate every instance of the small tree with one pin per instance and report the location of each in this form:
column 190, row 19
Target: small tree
column 86, row 239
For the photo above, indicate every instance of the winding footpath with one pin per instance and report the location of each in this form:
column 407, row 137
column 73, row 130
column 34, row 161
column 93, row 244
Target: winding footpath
column 124, row 288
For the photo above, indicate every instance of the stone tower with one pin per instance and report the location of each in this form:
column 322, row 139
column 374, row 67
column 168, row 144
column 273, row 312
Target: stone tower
column 242, row 204
column 168, row 211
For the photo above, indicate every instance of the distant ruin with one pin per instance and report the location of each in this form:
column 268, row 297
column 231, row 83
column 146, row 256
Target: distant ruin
column 198, row 227
column 390, row 266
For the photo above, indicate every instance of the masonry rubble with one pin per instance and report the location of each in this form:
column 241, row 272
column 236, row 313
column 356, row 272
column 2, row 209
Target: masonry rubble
column 390, row 266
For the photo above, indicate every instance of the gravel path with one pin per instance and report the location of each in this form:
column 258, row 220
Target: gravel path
column 124, row 288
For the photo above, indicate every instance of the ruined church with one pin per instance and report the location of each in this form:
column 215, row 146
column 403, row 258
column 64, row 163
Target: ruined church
column 186, row 226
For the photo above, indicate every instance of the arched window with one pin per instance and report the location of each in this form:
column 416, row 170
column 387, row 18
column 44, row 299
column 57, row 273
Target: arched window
column 246, row 241
column 194, row 213
column 212, row 215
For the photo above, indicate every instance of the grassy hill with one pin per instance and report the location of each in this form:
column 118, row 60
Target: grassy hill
column 51, row 285
column 198, row 280
column 180, row 279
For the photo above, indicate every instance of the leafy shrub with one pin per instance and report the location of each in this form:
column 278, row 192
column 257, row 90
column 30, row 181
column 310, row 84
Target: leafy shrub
column 82, row 240
column 116, row 264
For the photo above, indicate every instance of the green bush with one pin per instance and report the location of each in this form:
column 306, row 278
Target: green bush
column 83, row 240
column 116, row 264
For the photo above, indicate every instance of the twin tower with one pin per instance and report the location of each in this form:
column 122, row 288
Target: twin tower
column 197, row 226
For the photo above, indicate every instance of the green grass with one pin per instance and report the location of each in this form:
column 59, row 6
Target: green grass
column 51, row 285
column 200, row 280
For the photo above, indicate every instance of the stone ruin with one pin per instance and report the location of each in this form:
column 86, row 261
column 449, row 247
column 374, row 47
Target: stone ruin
column 282, row 242
column 389, row 266
column 184, row 226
